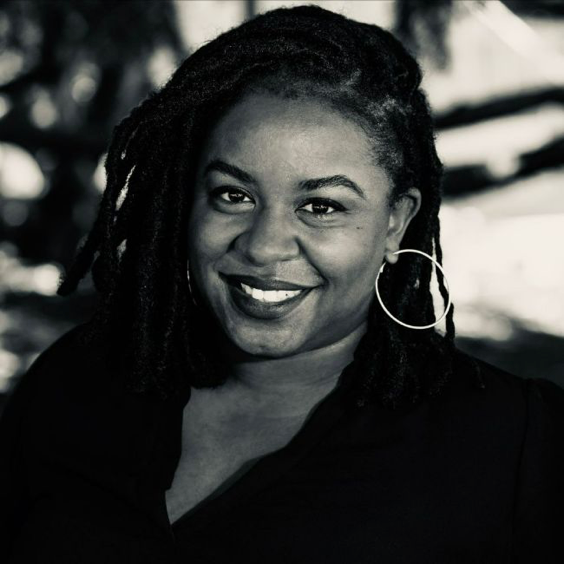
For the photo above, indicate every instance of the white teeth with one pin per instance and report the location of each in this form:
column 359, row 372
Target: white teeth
column 271, row 296
column 257, row 294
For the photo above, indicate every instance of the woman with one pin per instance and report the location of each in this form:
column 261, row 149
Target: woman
column 262, row 380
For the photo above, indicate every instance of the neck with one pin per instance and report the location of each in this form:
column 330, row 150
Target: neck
column 290, row 386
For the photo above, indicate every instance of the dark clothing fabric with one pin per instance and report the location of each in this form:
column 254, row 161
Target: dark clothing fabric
column 473, row 476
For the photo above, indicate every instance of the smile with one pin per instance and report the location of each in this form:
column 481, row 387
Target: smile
column 265, row 298
column 269, row 296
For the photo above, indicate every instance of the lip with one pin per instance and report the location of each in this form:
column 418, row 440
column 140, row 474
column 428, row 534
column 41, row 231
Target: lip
column 265, row 310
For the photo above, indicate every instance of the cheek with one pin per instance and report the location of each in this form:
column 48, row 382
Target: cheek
column 209, row 234
column 351, row 257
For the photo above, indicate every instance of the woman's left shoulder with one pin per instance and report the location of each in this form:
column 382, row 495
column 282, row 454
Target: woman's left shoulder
column 520, row 420
column 503, row 389
column 516, row 428
column 500, row 408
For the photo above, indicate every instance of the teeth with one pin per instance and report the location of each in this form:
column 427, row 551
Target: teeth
column 270, row 296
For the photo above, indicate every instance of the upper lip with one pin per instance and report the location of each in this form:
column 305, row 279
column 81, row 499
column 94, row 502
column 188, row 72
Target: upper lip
column 265, row 283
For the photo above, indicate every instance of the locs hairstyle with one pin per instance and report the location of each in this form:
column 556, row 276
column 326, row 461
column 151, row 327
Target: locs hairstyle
column 137, row 246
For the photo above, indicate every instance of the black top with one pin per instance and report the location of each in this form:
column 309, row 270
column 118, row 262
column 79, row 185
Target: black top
column 474, row 476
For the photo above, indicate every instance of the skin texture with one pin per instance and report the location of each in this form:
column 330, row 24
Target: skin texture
column 264, row 226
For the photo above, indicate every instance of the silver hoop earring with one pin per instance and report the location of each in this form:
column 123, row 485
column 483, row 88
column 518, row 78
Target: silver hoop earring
column 189, row 285
column 395, row 318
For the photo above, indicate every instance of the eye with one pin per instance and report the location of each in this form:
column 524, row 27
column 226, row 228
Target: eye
column 231, row 200
column 232, row 196
column 320, row 207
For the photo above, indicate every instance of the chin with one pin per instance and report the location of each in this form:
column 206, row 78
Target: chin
column 266, row 345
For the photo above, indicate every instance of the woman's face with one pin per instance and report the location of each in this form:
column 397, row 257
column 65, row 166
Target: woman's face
column 290, row 224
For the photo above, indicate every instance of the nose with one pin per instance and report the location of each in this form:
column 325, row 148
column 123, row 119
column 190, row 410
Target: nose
column 268, row 239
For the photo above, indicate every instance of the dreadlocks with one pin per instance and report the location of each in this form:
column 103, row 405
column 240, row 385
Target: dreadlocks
column 137, row 246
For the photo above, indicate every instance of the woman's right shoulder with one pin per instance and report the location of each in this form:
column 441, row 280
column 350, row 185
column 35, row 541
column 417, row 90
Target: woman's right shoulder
column 68, row 360
column 65, row 347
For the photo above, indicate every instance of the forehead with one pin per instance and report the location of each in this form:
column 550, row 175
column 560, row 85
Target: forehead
column 307, row 133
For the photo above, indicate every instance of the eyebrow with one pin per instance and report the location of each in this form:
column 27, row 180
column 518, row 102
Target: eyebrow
column 231, row 170
column 306, row 185
column 328, row 181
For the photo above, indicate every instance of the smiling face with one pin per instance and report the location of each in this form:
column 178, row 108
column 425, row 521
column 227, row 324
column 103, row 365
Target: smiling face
column 289, row 225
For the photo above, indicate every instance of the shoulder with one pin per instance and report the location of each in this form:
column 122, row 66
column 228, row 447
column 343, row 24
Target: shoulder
column 50, row 366
column 500, row 387
column 67, row 382
column 504, row 388
column 71, row 347
column 69, row 414
column 76, row 372
column 477, row 388
column 31, row 403
column 45, row 400
column 508, row 438
column 519, row 423
column 507, row 413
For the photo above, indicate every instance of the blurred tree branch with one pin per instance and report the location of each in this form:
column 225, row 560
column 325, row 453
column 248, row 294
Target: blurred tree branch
column 423, row 27
column 69, row 71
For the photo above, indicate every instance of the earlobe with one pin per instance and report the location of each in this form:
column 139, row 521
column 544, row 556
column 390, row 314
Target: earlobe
column 401, row 215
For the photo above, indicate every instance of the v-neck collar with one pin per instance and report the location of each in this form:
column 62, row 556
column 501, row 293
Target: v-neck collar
column 271, row 466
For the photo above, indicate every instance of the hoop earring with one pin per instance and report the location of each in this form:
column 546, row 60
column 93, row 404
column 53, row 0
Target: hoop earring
column 395, row 318
column 189, row 285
